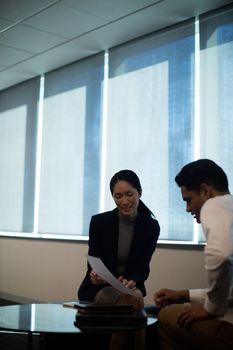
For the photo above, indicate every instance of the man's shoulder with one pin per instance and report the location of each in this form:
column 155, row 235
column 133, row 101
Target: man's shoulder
column 225, row 201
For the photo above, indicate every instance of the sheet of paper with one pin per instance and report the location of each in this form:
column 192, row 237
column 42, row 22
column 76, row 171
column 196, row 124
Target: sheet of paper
column 98, row 266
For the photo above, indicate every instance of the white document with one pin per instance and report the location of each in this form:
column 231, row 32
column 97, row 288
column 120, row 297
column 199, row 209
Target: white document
column 101, row 270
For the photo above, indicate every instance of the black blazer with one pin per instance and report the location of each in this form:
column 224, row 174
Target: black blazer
column 103, row 243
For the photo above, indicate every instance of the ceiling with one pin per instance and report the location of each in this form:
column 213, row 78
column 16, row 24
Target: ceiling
column 37, row 36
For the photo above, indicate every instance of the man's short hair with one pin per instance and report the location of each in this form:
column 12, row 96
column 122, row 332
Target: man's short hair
column 202, row 171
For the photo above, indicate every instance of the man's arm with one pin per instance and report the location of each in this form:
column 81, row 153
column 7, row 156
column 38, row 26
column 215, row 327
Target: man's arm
column 168, row 296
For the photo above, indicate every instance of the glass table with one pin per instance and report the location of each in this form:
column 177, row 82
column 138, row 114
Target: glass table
column 48, row 319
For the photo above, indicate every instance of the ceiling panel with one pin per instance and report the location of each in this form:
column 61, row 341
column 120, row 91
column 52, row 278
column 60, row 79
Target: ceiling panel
column 38, row 36
column 55, row 58
column 10, row 56
column 15, row 75
column 111, row 9
column 65, row 21
column 16, row 10
column 29, row 39
column 4, row 23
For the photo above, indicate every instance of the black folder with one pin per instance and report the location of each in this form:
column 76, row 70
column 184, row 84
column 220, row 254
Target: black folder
column 95, row 308
column 134, row 319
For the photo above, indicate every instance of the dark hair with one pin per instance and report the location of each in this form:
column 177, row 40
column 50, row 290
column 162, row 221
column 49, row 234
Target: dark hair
column 202, row 171
column 133, row 179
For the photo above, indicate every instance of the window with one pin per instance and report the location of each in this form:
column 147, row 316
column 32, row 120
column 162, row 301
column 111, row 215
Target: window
column 150, row 118
column 71, row 144
column 18, row 125
column 216, row 120
column 150, row 105
column 216, row 34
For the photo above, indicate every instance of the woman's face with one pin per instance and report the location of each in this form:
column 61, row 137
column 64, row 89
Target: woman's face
column 126, row 198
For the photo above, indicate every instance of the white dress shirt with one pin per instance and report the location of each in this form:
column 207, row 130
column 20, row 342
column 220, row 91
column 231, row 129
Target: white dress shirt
column 217, row 223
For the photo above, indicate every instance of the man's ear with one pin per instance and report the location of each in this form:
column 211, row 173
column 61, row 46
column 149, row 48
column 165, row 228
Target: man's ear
column 206, row 191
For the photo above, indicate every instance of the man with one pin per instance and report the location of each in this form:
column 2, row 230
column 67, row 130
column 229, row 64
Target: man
column 203, row 319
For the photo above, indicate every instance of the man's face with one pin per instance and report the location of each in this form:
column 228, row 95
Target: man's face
column 194, row 201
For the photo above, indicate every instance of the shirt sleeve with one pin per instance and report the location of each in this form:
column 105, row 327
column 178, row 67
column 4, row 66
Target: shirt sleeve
column 217, row 226
column 197, row 295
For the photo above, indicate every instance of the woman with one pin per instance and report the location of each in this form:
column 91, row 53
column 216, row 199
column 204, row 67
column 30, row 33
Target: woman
column 124, row 239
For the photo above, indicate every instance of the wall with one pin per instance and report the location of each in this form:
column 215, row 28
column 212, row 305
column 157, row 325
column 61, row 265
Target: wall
column 43, row 271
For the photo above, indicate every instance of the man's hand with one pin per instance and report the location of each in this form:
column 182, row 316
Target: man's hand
column 191, row 313
column 168, row 296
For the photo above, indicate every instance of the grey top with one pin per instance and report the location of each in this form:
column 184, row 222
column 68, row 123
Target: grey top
column 126, row 230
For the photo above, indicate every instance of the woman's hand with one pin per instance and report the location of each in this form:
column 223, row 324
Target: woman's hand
column 127, row 283
column 95, row 279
